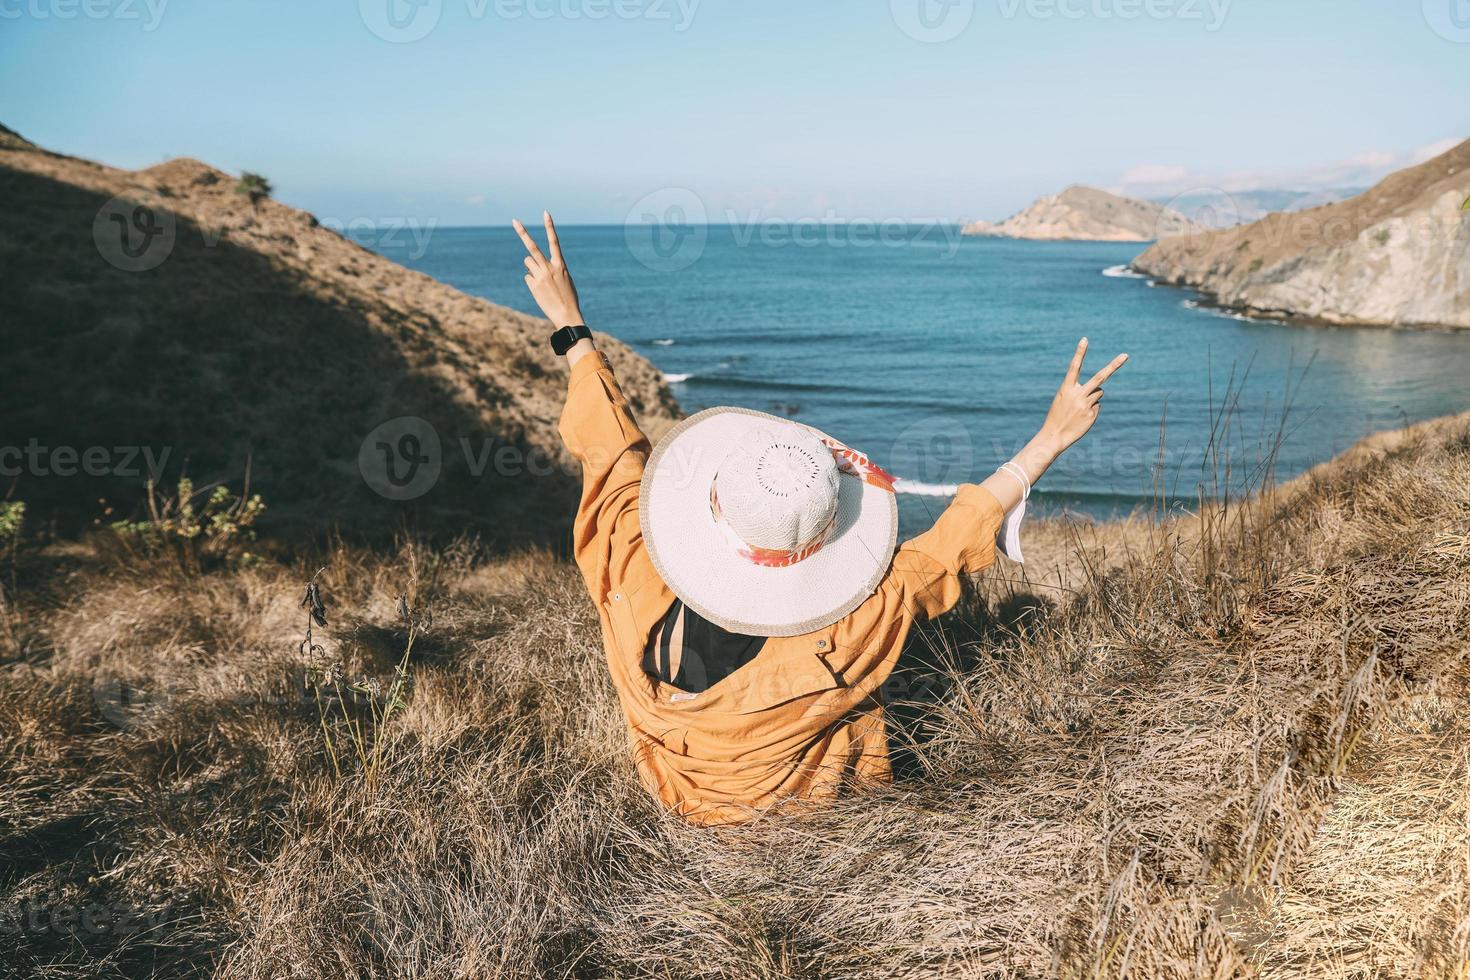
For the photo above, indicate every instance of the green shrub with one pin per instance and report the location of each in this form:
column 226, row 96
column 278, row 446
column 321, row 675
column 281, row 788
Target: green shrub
column 12, row 515
column 253, row 186
column 200, row 527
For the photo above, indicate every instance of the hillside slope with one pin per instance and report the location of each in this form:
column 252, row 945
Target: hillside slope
column 1396, row 255
column 1237, row 746
column 1087, row 214
column 161, row 315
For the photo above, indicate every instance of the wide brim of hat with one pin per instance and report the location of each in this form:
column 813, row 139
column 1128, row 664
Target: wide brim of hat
column 694, row 558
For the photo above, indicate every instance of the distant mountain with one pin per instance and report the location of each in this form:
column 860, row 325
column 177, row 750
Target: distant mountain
column 1396, row 255
column 1087, row 214
column 1223, row 209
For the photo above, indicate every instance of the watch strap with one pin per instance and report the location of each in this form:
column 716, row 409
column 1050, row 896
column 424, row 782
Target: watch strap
column 564, row 339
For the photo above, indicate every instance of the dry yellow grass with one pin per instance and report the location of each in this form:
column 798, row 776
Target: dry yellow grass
column 1218, row 746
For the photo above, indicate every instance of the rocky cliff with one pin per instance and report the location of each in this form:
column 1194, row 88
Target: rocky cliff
column 164, row 320
column 1087, row 214
column 1396, row 255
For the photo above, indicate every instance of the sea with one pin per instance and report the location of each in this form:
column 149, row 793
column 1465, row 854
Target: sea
column 937, row 355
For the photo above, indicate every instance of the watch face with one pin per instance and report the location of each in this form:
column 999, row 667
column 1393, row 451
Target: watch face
column 565, row 338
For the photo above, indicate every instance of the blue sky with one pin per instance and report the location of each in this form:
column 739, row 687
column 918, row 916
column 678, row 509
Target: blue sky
column 875, row 110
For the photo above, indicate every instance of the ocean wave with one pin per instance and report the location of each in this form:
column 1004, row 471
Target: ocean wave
column 1220, row 311
column 921, row 489
column 677, row 379
column 1122, row 272
column 1247, row 318
column 761, row 384
column 664, row 342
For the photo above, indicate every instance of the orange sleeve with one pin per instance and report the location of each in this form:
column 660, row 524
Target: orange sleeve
column 598, row 429
column 926, row 570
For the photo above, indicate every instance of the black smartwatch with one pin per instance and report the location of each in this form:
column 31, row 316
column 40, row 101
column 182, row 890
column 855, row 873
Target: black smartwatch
column 563, row 339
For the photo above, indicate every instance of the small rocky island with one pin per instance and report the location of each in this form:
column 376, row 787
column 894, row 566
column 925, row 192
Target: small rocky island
column 1087, row 214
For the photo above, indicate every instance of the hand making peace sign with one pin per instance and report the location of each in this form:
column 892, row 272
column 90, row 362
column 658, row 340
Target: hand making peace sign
column 1075, row 406
column 548, row 279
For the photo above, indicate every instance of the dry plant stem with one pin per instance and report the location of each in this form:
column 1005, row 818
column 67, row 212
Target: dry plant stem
column 311, row 649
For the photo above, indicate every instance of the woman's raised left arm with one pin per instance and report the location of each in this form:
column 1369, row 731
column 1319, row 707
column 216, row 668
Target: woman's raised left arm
column 551, row 285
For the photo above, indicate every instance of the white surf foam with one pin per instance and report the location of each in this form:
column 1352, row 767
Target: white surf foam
column 1194, row 304
column 1122, row 272
column 676, row 379
column 922, row 489
column 664, row 342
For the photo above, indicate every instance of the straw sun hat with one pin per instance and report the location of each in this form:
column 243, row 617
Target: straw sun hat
column 765, row 526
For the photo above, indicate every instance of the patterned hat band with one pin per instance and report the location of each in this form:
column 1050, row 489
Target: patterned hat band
column 850, row 463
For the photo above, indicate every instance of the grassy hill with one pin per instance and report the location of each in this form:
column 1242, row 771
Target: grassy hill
column 167, row 315
column 1229, row 741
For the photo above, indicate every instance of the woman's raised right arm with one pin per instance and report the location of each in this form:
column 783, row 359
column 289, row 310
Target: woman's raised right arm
column 1073, row 411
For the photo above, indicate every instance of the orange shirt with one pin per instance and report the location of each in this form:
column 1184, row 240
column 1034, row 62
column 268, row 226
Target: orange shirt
column 801, row 720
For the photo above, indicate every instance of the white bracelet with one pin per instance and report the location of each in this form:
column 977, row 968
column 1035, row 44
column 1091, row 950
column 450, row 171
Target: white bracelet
column 1013, row 469
column 1008, row 537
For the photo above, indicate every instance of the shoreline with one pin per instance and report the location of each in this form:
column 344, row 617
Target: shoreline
column 1210, row 300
